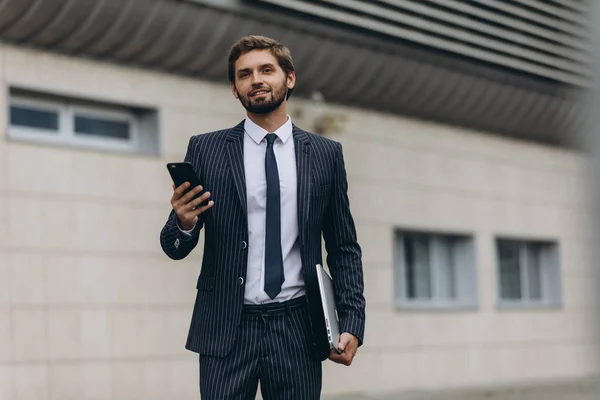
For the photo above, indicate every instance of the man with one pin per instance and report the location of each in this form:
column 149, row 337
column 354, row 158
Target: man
column 273, row 190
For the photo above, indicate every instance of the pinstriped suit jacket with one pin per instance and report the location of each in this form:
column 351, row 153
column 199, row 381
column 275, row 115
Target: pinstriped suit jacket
column 323, row 209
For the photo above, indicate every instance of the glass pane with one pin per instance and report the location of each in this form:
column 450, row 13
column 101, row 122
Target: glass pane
column 534, row 276
column 446, row 269
column 418, row 276
column 32, row 118
column 101, row 127
column 510, row 271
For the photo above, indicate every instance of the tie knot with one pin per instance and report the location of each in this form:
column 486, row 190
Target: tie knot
column 271, row 138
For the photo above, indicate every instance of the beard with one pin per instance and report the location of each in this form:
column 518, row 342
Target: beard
column 270, row 102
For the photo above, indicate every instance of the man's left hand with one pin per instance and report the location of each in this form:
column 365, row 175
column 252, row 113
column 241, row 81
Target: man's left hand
column 348, row 346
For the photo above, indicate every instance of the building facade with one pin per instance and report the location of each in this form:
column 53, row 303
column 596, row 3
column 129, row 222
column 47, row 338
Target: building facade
column 466, row 183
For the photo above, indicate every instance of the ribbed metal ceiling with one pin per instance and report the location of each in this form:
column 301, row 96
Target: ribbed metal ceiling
column 345, row 65
column 541, row 37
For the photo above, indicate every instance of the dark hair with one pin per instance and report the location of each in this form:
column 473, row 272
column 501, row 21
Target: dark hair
column 256, row 42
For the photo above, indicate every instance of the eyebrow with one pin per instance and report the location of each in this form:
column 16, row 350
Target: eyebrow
column 260, row 66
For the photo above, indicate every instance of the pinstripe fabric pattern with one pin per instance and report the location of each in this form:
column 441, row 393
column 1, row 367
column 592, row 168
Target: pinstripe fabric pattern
column 323, row 209
column 273, row 349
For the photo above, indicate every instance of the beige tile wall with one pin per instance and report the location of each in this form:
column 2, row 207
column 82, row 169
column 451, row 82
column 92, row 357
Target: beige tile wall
column 411, row 174
column 82, row 272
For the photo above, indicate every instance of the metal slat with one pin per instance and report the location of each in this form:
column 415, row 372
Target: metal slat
column 465, row 36
column 523, row 13
column 162, row 46
column 500, row 20
column 65, row 41
column 55, row 22
column 113, row 35
column 430, row 40
column 574, row 5
column 138, row 40
column 28, row 23
column 182, row 55
column 11, row 15
column 552, row 10
column 93, row 24
column 517, row 37
column 508, row 22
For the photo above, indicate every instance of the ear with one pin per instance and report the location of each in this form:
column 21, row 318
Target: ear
column 291, row 80
column 234, row 91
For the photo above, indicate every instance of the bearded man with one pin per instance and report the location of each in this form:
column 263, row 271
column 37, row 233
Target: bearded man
column 274, row 190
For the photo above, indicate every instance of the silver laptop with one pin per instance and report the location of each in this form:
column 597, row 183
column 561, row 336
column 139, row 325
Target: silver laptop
column 328, row 302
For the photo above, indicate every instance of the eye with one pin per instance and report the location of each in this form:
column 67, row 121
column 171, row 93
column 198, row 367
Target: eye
column 268, row 70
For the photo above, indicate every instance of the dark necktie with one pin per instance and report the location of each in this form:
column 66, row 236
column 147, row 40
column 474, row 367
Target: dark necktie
column 273, row 256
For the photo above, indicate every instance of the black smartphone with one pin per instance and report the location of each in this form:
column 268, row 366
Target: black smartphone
column 182, row 172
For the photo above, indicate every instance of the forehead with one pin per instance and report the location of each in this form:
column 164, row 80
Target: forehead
column 255, row 58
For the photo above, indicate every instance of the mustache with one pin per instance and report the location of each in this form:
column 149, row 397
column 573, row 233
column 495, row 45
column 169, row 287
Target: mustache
column 258, row 88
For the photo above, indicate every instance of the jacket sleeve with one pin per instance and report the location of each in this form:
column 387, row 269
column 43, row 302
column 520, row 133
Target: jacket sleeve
column 344, row 256
column 175, row 243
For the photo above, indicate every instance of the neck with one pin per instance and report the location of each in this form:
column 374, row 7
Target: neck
column 271, row 121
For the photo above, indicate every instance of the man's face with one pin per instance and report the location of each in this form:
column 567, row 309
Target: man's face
column 260, row 83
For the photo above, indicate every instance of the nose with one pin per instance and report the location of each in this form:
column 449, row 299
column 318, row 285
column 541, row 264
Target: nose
column 256, row 79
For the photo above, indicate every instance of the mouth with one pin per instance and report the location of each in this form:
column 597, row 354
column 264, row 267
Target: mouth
column 260, row 92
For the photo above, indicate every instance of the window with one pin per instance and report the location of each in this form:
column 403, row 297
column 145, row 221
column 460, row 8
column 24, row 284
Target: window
column 53, row 119
column 435, row 271
column 528, row 273
column 34, row 117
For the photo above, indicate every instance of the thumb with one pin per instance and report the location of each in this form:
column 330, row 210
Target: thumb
column 343, row 342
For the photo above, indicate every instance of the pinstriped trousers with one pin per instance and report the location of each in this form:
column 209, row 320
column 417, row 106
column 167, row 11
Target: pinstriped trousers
column 273, row 347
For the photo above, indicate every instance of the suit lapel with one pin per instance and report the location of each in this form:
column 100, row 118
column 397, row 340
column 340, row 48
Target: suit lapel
column 235, row 155
column 303, row 167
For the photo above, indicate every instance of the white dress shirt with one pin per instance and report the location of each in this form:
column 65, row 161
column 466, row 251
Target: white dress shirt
column 255, row 146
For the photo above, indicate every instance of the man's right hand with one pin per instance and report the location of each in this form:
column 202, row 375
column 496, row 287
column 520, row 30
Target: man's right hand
column 187, row 210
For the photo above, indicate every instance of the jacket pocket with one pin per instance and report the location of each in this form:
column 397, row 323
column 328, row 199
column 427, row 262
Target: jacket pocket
column 205, row 282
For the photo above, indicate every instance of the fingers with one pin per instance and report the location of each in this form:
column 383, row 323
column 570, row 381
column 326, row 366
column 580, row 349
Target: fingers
column 195, row 203
column 195, row 211
column 186, row 206
column 347, row 346
column 192, row 210
column 200, row 210
column 177, row 193
column 343, row 343
column 343, row 358
column 348, row 342
column 191, row 194
column 179, row 199
column 182, row 188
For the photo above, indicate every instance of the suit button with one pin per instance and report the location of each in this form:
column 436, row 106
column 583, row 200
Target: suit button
column 240, row 281
column 244, row 244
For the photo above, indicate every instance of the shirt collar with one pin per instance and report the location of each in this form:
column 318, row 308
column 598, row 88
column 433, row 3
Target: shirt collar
column 258, row 133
